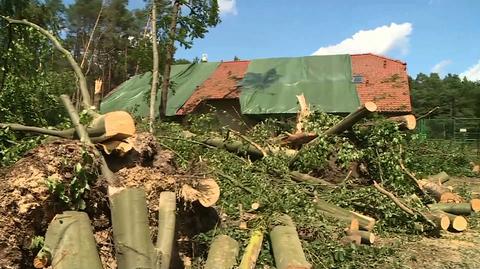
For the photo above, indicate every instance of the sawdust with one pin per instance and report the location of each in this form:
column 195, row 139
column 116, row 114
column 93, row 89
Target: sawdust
column 26, row 205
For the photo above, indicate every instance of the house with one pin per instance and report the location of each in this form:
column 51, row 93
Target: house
column 333, row 84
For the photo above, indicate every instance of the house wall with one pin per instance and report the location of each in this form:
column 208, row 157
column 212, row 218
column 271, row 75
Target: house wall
column 385, row 83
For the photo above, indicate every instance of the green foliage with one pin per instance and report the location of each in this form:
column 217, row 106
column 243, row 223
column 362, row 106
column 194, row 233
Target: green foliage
column 37, row 242
column 12, row 147
column 71, row 192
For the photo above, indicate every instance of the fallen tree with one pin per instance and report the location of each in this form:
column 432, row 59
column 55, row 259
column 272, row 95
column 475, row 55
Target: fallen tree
column 365, row 222
column 223, row 253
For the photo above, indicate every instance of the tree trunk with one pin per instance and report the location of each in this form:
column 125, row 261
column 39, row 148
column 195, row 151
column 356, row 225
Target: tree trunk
column 441, row 220
column 69, row 243
column 223, row 253
column 287, row 248
column 300, row 177
column 166, row 227
column 352, row 118
column 153, row 90
column 464, row 209
column 439, row 178
column 405, row 122
column 365, row 222
column 169, row 59
column 131, row 233
column 440, row 193
column 252, row 251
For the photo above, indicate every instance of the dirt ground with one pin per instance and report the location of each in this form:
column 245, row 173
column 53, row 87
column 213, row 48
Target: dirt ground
column 451, row 250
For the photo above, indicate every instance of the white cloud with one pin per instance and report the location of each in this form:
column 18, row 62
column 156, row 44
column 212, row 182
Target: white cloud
column 227, row 7
column 473, row 73
column 380, row 40
column 439, row 67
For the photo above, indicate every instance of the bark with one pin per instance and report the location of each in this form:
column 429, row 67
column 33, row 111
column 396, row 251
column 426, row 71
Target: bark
column 441, row 220
column 223, row 253
column 169, row 59
column 76, row 68
column 352, row 118
column 349, row 239
column 252, row 250
column 287, row 248
column 300, row 177
column 464, row 209
column 69, row 243
column 298, row 139
column 153, row 90
column 131, row 233
column 166, row 227
column 82, row 133
column 439, row 178
column 405, row 122
column 440, row 193
column 365, row 222
column 235, row 146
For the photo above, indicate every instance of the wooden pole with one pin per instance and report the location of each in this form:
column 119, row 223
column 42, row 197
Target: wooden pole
column 352, row 118
column 223, row 253
column 286, row 246
column 166, row 227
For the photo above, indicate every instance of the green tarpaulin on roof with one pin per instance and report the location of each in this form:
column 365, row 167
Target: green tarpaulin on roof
column 270, row 85
column 133, row 94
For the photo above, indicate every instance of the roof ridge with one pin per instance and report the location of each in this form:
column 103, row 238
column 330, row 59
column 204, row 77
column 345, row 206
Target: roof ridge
column 379, row 56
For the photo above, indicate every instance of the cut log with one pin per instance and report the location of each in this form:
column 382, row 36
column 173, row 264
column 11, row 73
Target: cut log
column 457, row 223
column 441, row 220
column 349, row 239
column 439, row 178
column 131, row 233
column 366, row 223
column 475, row 205
column 252, row 251
column 352, row 118
column 464, row 209
column 300, row 177
column 223, row 253
column 287, row 248
column 69, row 243
column 440, row 193
column 367, row 238
column 406, row 121
column 166, row 227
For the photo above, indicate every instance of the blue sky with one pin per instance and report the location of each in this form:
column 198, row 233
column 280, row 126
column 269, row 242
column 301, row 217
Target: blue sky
column 430, row 35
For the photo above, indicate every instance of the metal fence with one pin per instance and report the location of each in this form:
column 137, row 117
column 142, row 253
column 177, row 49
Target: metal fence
column 464, row 131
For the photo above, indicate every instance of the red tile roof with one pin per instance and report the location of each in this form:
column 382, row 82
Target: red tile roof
column 385, row 82
column 222, row 84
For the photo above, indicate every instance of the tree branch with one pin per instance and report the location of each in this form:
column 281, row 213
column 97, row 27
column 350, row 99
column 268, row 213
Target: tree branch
column 76, row 68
